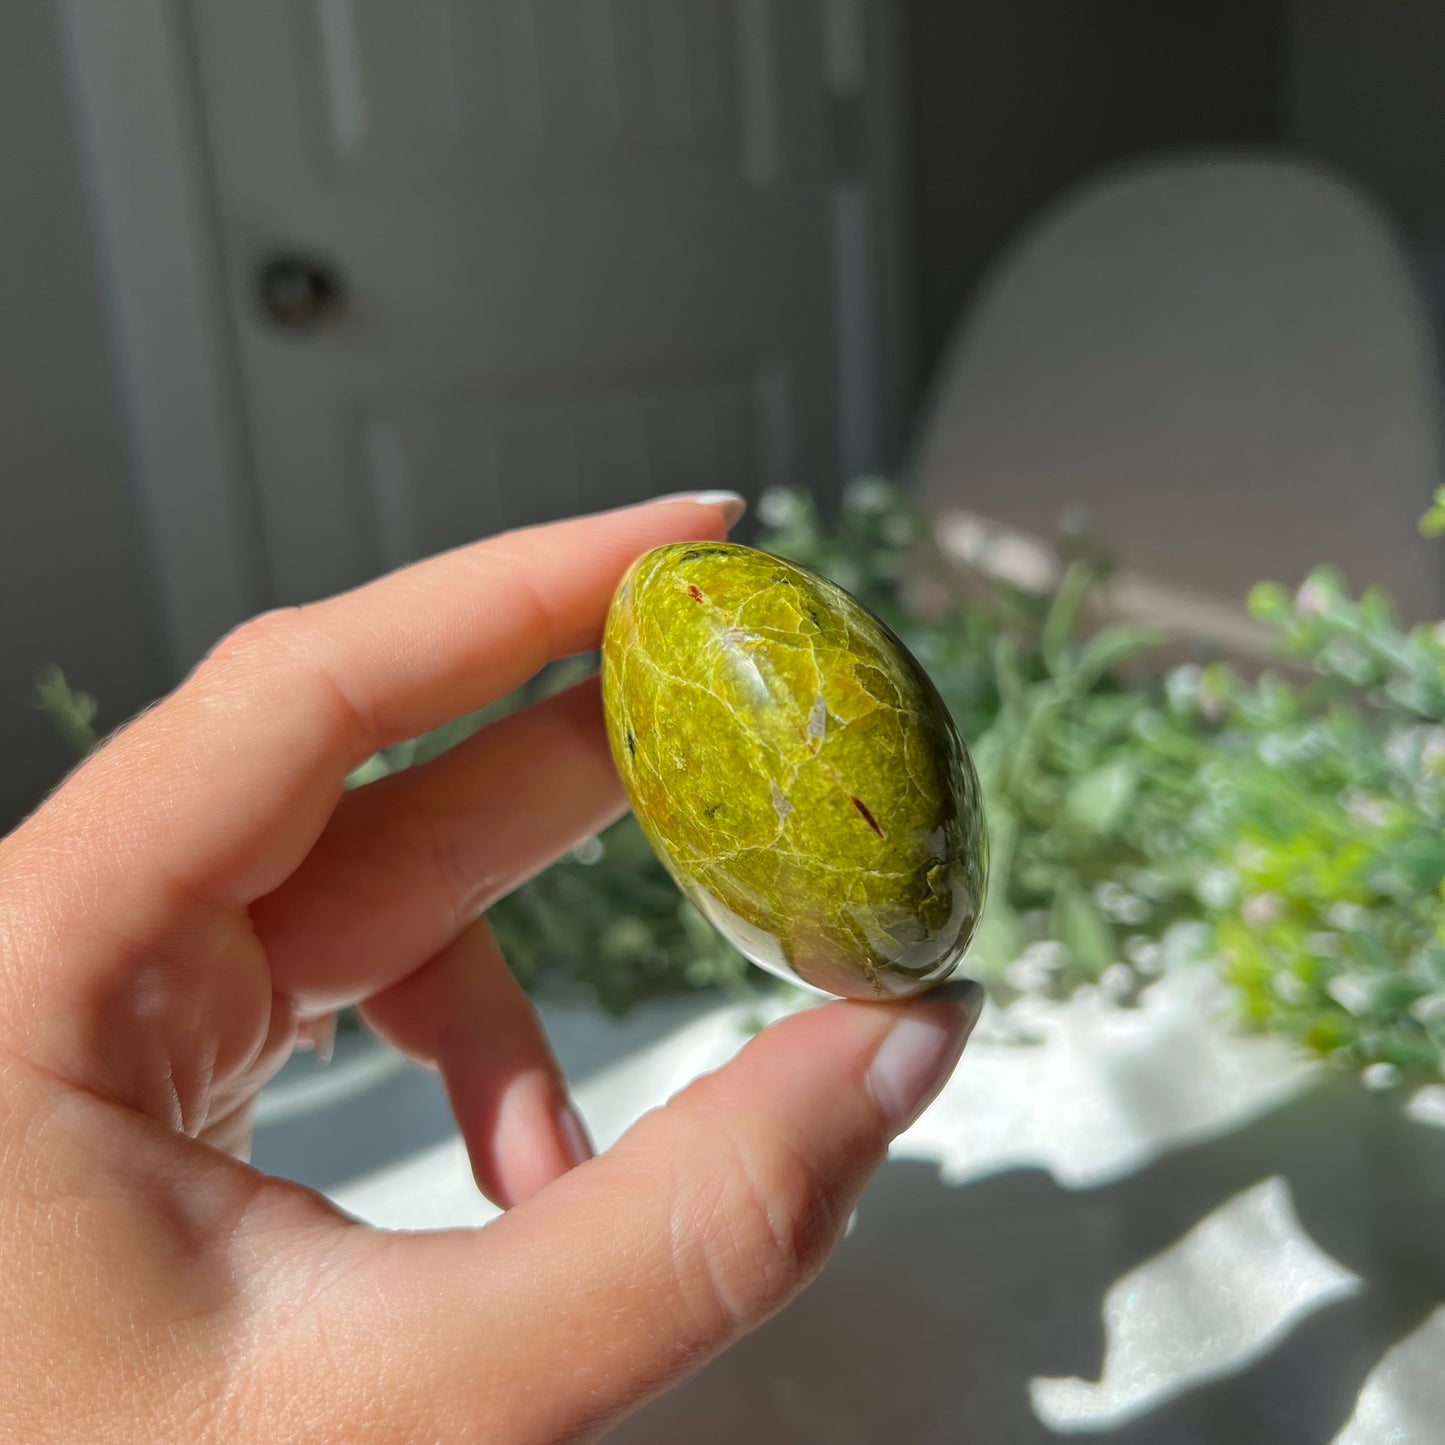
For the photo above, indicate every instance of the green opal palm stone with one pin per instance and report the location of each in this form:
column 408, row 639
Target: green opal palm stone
column 795, row 769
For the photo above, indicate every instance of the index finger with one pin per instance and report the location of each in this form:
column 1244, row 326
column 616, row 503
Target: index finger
column 220, row 790
column 444, row 637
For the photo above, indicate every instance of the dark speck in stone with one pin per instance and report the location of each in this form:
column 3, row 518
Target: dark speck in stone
column 631, row 745
column 695, row 594
column 866, row 816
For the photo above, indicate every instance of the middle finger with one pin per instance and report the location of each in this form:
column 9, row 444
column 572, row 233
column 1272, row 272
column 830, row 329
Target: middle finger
column 406, row 862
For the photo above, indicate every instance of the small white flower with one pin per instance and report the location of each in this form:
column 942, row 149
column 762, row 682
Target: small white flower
column 1181, row 687
column 1367, row 810
column 1312, row 600
column 1036, row 968
column 1353, row 993
column 1289, row 988
column 1048, row 954
column 1024, row 976
column 1347, row 917
column 1430, row 1009
column 1262, row 909
column 1274, row 752
column 1217, row 887
column 1184, row 943
column 1148, row 884
column 1379, row 1077
column 777, row 507
column 867, row 494
column 1119, row 982
column 1144, row 954
column 1119, row 905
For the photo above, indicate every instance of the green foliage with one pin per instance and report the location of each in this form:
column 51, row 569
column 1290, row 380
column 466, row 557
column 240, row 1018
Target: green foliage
column 1322, row 821
column 71, row 713
column 1432, row 524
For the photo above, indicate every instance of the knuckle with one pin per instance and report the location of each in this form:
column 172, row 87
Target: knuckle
column 283, row 648
column 259, row 639
column 454, row 872
column 750, row 1233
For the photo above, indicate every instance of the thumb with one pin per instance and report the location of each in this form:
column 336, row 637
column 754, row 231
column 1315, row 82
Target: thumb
column 632, row 1270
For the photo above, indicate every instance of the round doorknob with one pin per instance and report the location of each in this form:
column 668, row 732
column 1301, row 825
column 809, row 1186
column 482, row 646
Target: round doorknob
column 299, row 292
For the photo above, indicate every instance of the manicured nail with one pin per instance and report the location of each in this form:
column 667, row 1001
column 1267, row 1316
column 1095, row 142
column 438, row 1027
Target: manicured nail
column 573, row 1134
column 920, row 1051
column 733, row 504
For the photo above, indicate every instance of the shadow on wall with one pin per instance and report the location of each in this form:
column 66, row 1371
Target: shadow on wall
column 945, row 1305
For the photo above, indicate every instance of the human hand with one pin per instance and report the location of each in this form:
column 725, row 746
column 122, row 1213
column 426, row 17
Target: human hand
column 201, row 891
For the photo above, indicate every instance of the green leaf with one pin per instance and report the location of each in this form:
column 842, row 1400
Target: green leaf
column 1100, row 798
column 1432, row 524
column 1269, row 602
column 71, row 713
column 1064, row 614
column 1111, row 646
column 1012, row 685
column 1075, row 922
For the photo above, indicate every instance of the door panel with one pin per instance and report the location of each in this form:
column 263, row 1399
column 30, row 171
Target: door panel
column 470, row 468
column 496, row 81
column 588, row 252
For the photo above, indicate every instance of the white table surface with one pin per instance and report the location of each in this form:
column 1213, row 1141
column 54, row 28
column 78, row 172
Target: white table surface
column 1128, row 1224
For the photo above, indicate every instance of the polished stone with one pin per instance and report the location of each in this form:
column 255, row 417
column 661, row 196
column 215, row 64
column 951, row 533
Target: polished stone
column 795, row 769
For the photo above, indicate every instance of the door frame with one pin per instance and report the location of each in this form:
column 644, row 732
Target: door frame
column 141, row 140
column 141, row 133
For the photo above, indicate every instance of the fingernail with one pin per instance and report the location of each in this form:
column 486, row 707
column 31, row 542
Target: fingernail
column 573, row 1134
column 733, row 504
column 920, row 1051
column 318, row 1034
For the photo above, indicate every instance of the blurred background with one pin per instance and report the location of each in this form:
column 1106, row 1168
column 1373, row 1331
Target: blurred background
column 1138, row 304
column 293, row 292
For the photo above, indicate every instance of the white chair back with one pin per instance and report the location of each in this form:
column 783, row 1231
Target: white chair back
column 1223, row 362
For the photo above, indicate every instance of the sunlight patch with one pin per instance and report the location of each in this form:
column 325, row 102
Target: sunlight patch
column 1403, row 1400
column 1206, row 1307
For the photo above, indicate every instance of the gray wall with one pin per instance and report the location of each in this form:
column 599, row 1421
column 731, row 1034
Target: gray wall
column 1015, row 100
column 1363, row 91
column 72, row 573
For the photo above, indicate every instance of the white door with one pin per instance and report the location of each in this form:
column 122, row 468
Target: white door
column 579, row 252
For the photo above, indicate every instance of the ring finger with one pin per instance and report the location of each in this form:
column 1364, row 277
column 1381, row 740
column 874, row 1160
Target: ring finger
column 405, row 863
column 464, row 1012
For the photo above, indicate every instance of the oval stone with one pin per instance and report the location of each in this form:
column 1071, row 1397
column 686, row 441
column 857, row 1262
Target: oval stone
column 794, row 768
